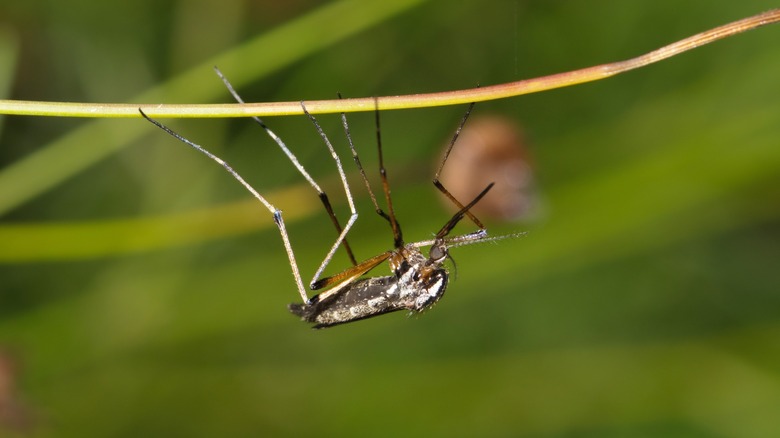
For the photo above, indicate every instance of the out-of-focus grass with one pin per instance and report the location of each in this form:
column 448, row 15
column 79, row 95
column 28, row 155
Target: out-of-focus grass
column 9, row 48
column 286, row 44
column 643, row 302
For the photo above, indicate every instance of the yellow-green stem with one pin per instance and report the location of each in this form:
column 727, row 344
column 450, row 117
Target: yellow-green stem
column 480, row 94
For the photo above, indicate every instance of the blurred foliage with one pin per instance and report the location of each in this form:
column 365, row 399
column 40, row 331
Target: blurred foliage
column 148, row 295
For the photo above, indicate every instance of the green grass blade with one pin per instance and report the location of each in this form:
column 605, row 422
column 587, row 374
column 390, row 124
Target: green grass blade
column 260, row 56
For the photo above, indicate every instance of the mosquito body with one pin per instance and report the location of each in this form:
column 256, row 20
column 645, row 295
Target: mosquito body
column 416, row 282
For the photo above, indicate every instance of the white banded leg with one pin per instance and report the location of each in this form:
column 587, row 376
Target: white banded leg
column 277, row 214
column 294, row 160
column 354, row 215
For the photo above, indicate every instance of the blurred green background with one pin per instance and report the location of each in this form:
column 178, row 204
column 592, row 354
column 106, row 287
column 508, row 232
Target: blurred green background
column 143, row 293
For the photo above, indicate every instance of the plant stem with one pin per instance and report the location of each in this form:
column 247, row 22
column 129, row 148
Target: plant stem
column 493, row 92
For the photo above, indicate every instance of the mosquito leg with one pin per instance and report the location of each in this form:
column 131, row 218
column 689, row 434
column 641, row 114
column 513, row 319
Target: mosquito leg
column 359, row 165
column 397, row 235
column 277, row 214
column 353, row 217
column 463, row 211
column 323, row 196
column 438, row 183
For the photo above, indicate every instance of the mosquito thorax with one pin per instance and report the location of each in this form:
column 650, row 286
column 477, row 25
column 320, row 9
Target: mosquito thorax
column 420, row 280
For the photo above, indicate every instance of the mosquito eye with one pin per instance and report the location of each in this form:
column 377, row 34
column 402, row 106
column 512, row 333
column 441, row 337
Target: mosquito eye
column 437, row 253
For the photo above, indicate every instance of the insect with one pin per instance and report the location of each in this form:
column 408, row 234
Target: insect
column 417, row 281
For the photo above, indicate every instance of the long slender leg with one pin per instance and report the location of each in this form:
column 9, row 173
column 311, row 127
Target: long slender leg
column 359, row 165
column 353, row 217
column 398, row 239
column 438, row 183
column 438, row 247
column 322, row 195
column 463, row 211
column 276, row 212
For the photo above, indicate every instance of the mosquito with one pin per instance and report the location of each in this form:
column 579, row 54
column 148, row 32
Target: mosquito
column 417, row 281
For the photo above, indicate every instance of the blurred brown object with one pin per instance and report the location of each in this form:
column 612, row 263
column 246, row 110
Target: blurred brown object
column 14, row 416
column 491, row 149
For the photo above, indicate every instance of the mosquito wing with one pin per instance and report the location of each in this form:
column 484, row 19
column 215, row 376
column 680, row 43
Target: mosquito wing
column 361, row 299
column 343, row 284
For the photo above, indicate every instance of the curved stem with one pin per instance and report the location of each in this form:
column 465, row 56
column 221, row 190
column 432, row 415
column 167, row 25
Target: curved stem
column 492, row 92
